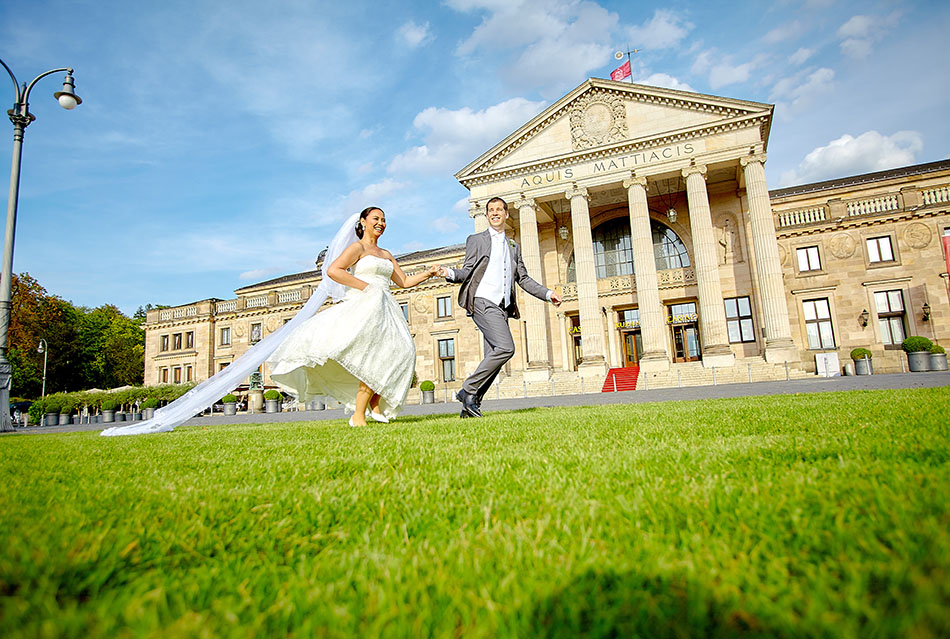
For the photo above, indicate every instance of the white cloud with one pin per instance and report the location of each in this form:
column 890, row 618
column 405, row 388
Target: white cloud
column 787, row 31
column 455, row 138
column 797, row 93
column 702, row 63
column 850, row 155
column 860, row 32
column 554, row 44
column 415, row 35
column 445, row 224
column 259, row 274
column 664, row 30
column 461, row 206
column 801, row 56
column 666, row 81
column 724, row 74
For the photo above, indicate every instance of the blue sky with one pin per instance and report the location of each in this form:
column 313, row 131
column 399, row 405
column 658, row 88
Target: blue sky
column 220, row 144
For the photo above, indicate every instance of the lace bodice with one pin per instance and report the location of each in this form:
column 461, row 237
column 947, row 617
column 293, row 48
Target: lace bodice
column 374, row 270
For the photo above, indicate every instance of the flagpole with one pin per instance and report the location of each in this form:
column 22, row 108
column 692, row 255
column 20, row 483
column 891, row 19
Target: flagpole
column 619, row 56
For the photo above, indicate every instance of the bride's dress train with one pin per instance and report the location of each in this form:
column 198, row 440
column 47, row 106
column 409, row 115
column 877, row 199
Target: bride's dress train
column 363, row 337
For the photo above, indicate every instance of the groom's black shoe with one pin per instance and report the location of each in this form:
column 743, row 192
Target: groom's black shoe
column 468, row 404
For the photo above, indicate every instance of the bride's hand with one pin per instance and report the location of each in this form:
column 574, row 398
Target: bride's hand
column 433, row 270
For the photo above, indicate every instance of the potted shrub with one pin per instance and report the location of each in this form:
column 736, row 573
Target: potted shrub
column 108, row 410
column 149, row 406
column 66, row 409
column 428, row 391
column 271, row 401
column 918, row 353
column 938, row 358
column 230, row 404
column 862, row 361
column 51, row 406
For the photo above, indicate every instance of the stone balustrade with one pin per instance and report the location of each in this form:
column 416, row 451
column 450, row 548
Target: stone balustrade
column 228, row 306
column 285, row 297
column 874, row 205
column 802, row 217
column 935, row 195
column 258, row 301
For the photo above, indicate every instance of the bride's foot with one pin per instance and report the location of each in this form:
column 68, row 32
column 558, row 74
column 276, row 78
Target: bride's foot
column 379, row 417
column 354, row 424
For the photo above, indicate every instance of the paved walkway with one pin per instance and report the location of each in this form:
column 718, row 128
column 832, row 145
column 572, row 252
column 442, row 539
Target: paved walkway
column 810, row 385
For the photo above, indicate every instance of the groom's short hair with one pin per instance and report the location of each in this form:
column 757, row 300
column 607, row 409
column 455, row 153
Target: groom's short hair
column 497, row 199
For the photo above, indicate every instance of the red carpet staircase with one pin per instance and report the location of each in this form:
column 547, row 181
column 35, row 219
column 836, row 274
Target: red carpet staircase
column 621, row 379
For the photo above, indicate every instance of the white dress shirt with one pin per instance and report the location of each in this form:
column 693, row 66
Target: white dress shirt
column 496, row 283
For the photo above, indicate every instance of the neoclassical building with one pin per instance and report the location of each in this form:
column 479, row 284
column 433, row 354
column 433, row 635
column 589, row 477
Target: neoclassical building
column 648, row 210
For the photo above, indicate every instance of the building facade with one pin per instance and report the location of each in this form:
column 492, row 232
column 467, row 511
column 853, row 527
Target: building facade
column 648, row 210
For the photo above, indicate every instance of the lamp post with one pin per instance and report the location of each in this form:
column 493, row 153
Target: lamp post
column 21, row 118
column 43, row 348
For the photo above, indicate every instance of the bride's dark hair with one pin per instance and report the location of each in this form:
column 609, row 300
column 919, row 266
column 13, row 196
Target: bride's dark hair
column 363, row 214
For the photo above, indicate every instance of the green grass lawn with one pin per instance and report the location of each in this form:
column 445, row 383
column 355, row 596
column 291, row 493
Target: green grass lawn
column 821, row 515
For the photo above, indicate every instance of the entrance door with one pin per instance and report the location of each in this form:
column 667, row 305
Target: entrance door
column 686, row 343
column 632, row 347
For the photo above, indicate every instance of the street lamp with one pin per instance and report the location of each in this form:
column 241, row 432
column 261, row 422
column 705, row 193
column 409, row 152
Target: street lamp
column 21, row 118
column 43, row 348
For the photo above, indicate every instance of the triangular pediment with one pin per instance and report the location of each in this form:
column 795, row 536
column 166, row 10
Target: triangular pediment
column 603, row 114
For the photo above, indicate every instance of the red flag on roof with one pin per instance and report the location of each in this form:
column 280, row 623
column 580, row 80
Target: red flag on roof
column 621, row 72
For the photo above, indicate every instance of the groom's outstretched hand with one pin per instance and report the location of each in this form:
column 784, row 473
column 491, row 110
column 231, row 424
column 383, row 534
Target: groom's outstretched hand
column 443, row 272
column 555, row 299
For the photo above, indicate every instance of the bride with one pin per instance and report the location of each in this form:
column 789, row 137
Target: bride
column 359, row 351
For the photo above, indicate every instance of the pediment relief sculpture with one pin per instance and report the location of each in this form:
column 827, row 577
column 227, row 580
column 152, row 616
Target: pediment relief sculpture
column 597, row 118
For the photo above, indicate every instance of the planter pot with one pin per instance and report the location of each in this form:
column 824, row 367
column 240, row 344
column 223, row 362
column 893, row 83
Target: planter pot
column 428, row 397
column 63, row 419
column 230, row 408
column 149, row 413
column 120, row 416
column 52, row 419
column 136, row 417
column 918, row 362
column 316, row 404
column 76, row 419
column 108, row 416
column 271, row 405
column 938, row 361
column 863, row 367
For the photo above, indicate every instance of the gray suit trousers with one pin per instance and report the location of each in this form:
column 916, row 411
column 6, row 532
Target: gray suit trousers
column 492, row 321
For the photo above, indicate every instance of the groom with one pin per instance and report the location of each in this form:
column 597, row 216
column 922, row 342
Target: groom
column 492, row 267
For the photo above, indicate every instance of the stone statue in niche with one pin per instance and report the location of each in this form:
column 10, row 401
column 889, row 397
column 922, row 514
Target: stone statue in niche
column 729, row 250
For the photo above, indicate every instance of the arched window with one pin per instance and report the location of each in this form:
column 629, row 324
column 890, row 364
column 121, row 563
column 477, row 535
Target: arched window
column 613, row 249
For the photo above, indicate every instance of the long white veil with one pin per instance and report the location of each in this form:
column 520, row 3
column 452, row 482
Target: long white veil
column 209, row 391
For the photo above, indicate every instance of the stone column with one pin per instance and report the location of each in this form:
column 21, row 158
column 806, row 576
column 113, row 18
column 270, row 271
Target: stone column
column 477, row 212
column 652, row 326
column 592, row 340
column 613, row 358
column 532, row 309
column 712, row 312
column 779, row 346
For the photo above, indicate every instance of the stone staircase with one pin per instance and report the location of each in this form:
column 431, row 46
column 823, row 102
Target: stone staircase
column 745, row 370
column 621, row 379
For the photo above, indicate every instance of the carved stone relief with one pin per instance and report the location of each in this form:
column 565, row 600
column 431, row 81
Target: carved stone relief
column 782, row 254
column 730, row 250
column 598, row 118
column 842, row 245
column 420, row 303
column 917, row 235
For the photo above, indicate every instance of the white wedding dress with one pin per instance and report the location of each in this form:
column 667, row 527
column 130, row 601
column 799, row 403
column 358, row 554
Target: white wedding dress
column 364, row 337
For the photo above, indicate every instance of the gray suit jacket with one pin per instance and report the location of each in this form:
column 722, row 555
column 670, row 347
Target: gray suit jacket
column 477, row 252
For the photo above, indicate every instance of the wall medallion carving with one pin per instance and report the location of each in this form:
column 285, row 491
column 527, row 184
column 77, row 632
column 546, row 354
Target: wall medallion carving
column 917, row 235
column 239, row 329
column 598, row 118
column 420, row 303
column 782, row 254
column 842, row 245
column 273, row 323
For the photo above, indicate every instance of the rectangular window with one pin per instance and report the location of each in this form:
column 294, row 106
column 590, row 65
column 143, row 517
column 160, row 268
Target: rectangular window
column 164, row 376
column 444, row 306
column 222, row 366
column 808, row 259
column 405, row 311
column 880, row 250
column 190, row 339
column 255, row 333
column 177, row 371
column 164, row 342
column 176, row 341
column 226, row 336
column 447, row 357
column 818, row 324
column 890, row 317
column 739, row 320
column 189, row 374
